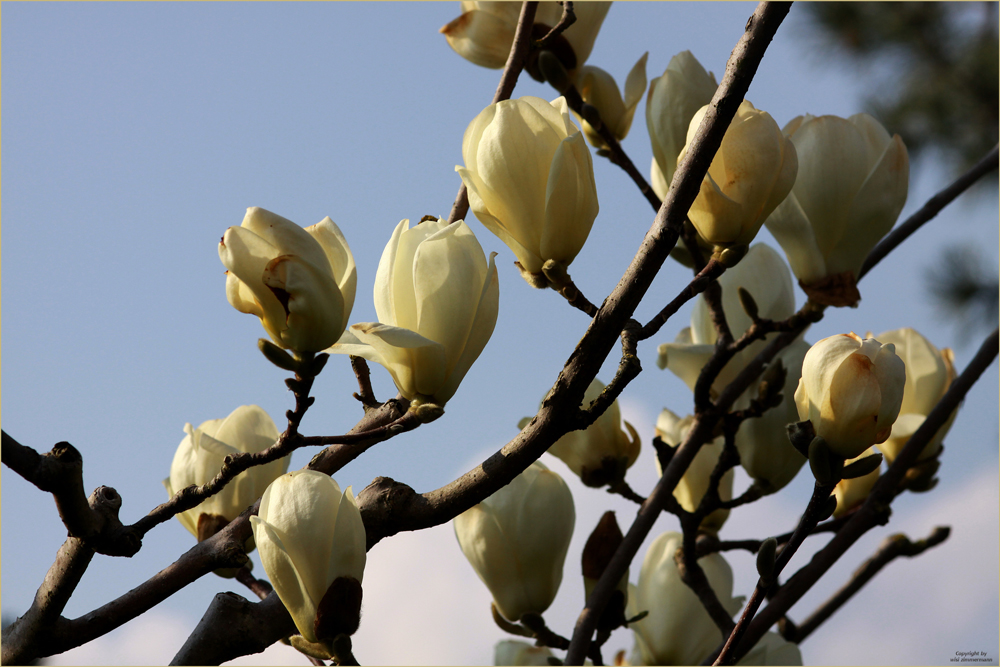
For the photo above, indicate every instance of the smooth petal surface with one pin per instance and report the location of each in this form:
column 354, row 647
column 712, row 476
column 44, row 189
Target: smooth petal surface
column 517, row 539
column 308, row 534
column 481, row 37
column 530, row 180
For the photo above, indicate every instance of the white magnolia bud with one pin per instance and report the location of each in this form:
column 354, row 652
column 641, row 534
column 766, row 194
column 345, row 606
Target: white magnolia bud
column 851, row 185
column 751, row 174
column 309, row 535
column 851, row 390
column 199, row 459
column 299, row 282
column 530, row 179
column 516, row 540
column 433, row 324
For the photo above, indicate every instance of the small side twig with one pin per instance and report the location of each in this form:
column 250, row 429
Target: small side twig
column 698, row 284
column 891, row 548
column 567, row 19
column 365, row 392
column 821, row 492
column 259, row 587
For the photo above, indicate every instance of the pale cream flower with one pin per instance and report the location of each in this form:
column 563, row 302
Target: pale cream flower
column 436, row 298
column 751, row 174
column 309, row 534
column 851, row 390
column 199, row 459
column 530, row 179
column 516, row 540
column 299, row 282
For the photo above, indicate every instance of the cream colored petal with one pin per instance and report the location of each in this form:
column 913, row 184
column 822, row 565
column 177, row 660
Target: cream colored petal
column 570, row 201
column 287, row 237
column 875, row 209
column 891, row 374
column 547, row 509
column 717, row 218
column 481, row 38
column 247, row 255
column 686, row 361
column 417, row 365
column 473, row 135
column 338, row 253
column 793, row 230
column 529, row 259
column 658, row 181
column 635, row 86
column 285, row 578
column 850, row 409
column 832, row 167
column 405, row 303
column 479, row 333
column 313, row 306
column 489, row 551
column 241, row 297
column 349, row 540
column 385, row 307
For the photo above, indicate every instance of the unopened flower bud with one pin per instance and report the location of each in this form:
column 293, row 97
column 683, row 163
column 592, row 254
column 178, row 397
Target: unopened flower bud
column 851, row 390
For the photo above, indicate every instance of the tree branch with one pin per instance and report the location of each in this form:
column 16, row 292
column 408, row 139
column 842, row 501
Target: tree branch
column 891, row 548
column 659, row 241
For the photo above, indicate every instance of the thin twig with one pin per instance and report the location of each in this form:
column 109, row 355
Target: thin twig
column 567, row 19
column 260, row 587
column 891, row 548
column 821, row 492
column 365, row 392
column 701, row 281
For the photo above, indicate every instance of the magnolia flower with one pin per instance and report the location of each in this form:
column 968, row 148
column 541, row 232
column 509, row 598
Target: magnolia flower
column 851, row 185
column 436, row 298
column 929, row 373
column 299, row 282
column 678, row 630
column 516, row 540
column 765, row 451
column 199, row 459
column 309, row 535
column 851, row 390
column 530, row 179
column 753, row 170
column 602, row 452
column 673, row 100
column 692, row 486
column 514, row 652
column 598, row 88
column 765, row 276
column 484, row 33
column 852, row 492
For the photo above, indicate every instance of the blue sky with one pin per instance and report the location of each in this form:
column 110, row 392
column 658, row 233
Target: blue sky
column 134, row 134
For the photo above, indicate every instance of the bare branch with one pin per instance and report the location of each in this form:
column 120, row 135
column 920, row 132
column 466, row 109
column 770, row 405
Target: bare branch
column 659, row 241
column 891, row 548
